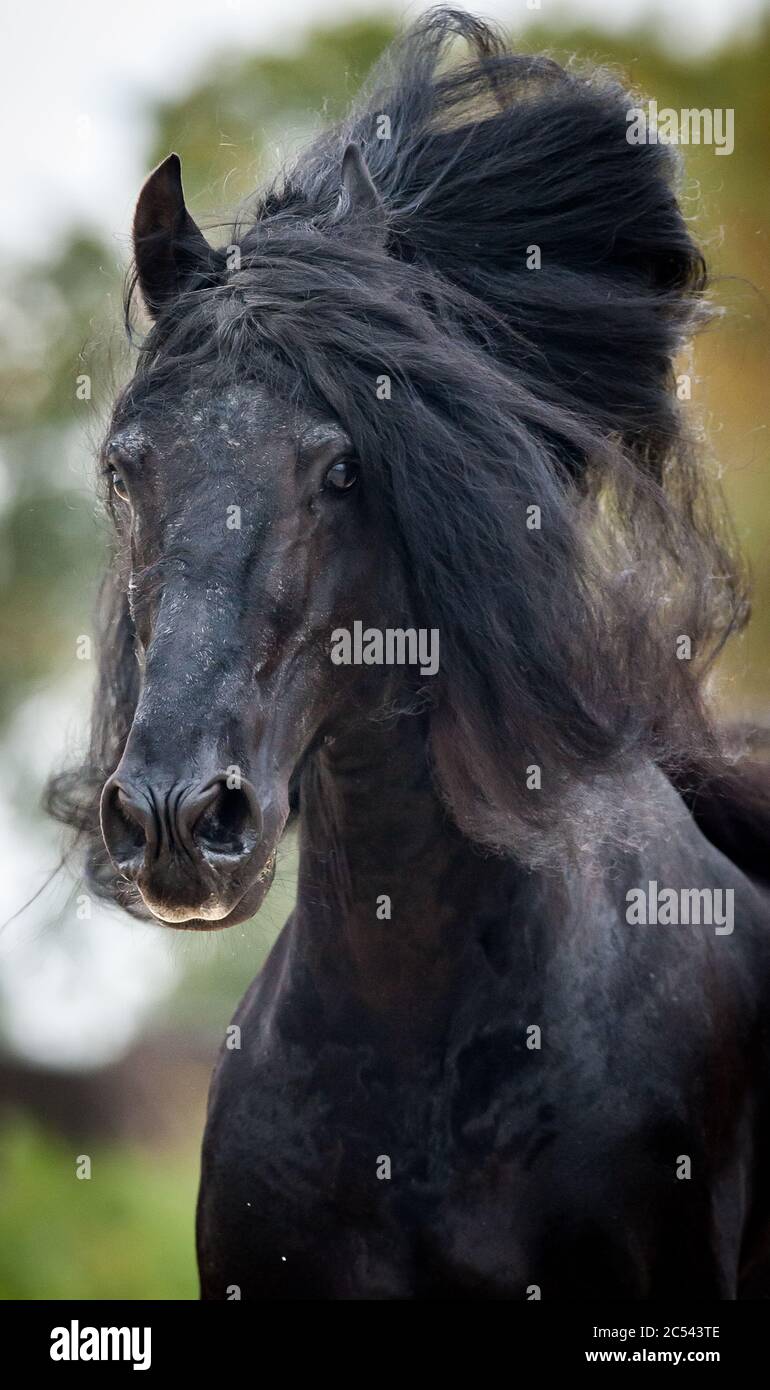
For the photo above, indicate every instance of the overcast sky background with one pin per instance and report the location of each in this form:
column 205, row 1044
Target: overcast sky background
column 75, row 76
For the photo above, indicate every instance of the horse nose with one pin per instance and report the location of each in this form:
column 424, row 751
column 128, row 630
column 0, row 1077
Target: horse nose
column 212, row 821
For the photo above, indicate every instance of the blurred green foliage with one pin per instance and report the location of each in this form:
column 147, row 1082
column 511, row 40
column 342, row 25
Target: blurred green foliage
column 125, row 1232
column 229, row 129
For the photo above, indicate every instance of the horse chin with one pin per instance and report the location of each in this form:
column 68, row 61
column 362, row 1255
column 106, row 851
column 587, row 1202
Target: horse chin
column 215, row 916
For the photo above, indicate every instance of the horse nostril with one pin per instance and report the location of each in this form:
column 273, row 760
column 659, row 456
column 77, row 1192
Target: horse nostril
column 210, row 820
column 127, row 824
column 224, row 820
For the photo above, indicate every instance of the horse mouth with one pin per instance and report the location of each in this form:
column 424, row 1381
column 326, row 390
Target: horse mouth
column 215, row 915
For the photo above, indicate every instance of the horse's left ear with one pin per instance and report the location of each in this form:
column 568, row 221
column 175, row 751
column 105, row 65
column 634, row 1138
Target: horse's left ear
column 358, row 196
column 168, row 245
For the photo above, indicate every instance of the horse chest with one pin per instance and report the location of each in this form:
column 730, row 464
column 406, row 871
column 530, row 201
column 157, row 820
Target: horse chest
column 336, row 1174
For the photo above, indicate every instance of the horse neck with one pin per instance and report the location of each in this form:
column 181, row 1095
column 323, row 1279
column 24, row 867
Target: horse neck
column 390, row 892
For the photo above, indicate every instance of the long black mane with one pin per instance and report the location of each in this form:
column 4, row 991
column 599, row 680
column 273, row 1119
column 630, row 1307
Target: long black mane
column 525, row 294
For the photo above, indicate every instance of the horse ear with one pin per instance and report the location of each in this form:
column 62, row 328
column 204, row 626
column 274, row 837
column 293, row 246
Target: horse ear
column 358, row 196
column 168, row 245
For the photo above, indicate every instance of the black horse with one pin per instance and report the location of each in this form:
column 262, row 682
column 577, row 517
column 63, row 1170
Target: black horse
column 513, row 1041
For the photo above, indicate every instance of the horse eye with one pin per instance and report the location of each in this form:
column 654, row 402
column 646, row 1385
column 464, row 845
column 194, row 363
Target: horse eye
column 341, row 476
column 118, row 485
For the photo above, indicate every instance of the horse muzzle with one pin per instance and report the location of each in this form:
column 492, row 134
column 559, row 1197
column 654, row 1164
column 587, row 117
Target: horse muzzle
column 194, row 849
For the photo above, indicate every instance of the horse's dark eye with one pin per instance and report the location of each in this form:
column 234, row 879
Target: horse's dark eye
column 118, row 485
column 341, row 476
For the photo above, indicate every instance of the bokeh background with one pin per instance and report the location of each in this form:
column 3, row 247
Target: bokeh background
column 109, row 1028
